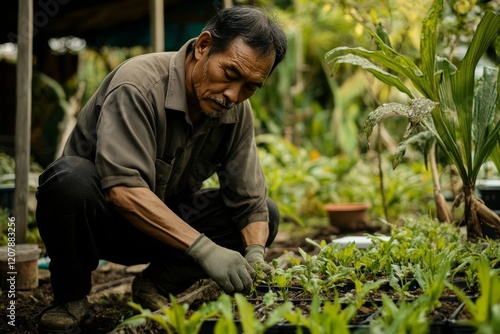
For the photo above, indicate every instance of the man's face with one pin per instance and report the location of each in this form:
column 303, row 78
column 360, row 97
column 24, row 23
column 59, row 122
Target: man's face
column 229, row 77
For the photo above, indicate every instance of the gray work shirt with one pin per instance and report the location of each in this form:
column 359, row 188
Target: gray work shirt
column 136, row 130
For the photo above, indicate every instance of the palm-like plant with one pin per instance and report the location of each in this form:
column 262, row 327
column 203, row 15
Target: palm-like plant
column 458, row 111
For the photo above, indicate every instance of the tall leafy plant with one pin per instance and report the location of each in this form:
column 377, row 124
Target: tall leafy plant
column 459, row 112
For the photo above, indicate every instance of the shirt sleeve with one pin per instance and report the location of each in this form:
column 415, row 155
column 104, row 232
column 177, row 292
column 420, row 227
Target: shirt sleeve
column 126, row 144
column 242, row 179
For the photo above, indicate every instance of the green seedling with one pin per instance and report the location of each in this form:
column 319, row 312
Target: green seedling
column 249, row 322
column 173, row 318
column 485, row 309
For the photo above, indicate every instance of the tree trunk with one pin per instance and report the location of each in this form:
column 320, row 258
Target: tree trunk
column 487, row 216
column 477, row 213
column 470, row 214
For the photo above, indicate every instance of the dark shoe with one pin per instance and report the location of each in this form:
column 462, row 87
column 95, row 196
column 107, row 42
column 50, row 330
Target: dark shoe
column 66, row 318
column 153, row 287
column 147, row 294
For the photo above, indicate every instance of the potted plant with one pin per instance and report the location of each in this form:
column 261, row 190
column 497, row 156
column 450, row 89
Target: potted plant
column 457, row 111
column 348, row 217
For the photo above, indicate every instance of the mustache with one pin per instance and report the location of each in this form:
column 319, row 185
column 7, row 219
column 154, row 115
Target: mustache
column 222, row 102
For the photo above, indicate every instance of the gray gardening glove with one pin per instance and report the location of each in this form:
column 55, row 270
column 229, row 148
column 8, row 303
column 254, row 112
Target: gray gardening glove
column 255, row 254
column 227, row 268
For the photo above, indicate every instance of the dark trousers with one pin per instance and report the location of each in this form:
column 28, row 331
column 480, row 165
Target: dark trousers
column 78, row 227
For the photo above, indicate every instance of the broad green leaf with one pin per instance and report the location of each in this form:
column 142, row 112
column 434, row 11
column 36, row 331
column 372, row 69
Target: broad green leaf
column 445, row 137
column 134, row 321
column 404, row 66
column 225, row 326
column 416, row 111
column 428, row 43
column 485, row 151
column 278, row 314
column 418, row 139
column 444, row 70
column 378, row 114
column 444, row 117
column 484, row 114
column 248, row 321
column 463, row 80
column 484, row 105
column 420, row 109
column 495, row 154
column 380, row 74
column 400, row 64
column 382, row 33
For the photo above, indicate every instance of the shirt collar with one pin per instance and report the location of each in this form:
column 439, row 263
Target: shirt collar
column 176, row 91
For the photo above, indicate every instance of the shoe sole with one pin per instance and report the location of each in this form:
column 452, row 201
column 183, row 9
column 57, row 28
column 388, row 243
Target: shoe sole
column 77, row 329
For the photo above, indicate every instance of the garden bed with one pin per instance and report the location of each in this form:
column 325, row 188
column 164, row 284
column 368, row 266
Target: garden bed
column 111, row 290
column 315, row 283
column 417, row 279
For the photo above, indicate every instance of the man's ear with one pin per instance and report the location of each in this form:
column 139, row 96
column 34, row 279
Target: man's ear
column 203, row 44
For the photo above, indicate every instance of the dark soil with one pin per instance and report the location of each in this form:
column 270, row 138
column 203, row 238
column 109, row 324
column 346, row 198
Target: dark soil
column 111, row 305
column 446, row 310
column 111, row 309
column 111, row 290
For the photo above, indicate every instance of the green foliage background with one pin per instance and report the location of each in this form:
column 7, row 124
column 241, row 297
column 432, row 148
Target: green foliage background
column 309, row 122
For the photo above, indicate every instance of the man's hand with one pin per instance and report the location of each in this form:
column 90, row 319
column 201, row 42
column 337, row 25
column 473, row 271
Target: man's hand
column 226, row 267
column 255, row 254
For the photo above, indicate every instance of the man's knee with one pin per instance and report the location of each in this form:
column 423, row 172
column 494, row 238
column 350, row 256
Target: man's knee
column 274, row 218
column 67, row 179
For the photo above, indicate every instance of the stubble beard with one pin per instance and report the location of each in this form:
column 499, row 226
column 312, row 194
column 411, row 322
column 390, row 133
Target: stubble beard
column 212, row 113
column 209, row 113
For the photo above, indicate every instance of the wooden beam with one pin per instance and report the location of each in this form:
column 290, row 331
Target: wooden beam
column 156, row 14
column 24, row 74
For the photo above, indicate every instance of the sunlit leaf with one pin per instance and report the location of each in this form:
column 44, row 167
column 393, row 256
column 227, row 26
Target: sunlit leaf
column 380, row 74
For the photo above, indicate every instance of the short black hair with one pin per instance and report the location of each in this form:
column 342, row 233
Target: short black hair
column 253, row 25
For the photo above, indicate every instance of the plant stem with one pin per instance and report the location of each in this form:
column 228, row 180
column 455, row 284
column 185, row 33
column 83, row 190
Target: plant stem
column 381, row 172
column 442, row 210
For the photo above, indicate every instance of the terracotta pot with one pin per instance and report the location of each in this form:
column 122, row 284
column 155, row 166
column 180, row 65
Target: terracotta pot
column 19, row 266
column 348, row 216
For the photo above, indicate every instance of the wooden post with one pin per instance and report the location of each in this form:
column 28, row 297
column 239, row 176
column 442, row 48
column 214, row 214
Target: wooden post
column 156, row 11
column 24, row 73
